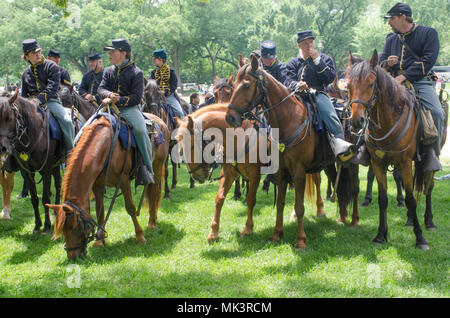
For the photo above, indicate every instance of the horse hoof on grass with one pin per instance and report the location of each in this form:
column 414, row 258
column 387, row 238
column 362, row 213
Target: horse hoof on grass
column 401, row 204
column 365, row 203
column 300, row 246
column 99, row 243
column 409, row 223
column 151, row 226
column 423, row 247
column 321, row 215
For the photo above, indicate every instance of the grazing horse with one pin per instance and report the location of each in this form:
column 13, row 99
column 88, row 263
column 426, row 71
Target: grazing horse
column 382, row 108
column 213, row 116
column 87, row 170
column 25, row 136
column 153, row 104
column 302, row 149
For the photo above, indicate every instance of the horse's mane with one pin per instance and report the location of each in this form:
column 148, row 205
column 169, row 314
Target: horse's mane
column 391, row 92
column 80, row 151
column 220, row 83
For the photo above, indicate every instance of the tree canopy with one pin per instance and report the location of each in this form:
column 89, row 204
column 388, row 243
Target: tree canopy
column 202, row 38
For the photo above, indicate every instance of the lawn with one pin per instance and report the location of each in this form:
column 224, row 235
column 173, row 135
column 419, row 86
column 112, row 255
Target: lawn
column 177, row 260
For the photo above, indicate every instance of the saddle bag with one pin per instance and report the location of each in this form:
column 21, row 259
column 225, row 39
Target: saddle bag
column 429, row 131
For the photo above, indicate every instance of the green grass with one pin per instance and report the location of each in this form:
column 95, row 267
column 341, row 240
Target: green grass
column 177, row 261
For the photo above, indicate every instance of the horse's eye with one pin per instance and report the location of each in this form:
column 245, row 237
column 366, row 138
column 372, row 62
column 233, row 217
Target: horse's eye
column 246, row 86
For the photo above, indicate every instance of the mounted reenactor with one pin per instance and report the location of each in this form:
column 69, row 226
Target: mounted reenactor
column 167, row 80
column 409, row 54
column 55, row 56
column 123, row 85
column 270, row 61
column 41, row 81
column 313, row 70
column 92, row 79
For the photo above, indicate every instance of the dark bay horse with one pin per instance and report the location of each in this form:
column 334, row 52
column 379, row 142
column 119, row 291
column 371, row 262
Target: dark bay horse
column 384, row 107
column 25, row 136
column 153, row 104
column 213, row 116
column 304, row 149
column 86, row 172
column 70, row 98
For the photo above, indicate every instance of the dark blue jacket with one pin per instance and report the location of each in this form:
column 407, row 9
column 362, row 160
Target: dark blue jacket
column 41, row 80
column 65, row 77
column 90, row 83
column 277, row 70
column 423, row 41
column 127, row 81
column 316, row 76
column 173, row 84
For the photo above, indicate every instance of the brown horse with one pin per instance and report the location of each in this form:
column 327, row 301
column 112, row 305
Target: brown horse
column 213, row 116
column 24, row 135
column 304, row 149
column 7, row 183
column 70, row 98
column 383, row 109
column 154, row 98
column 86, row 172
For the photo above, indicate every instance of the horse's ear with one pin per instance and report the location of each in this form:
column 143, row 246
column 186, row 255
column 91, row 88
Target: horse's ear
column 190, row 124
column 216, row 78
column 178, row 121
column 13, row 98
column 230, row 80
column 241, row 60
column 374, row 59
column 255, row 63
column 351, row 59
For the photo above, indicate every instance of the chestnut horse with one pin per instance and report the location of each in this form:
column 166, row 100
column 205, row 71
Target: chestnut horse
column 25, row 136
column 86, row 172
column 7, row 183
column 383, row 109
column 302, row 149
column 213, row 116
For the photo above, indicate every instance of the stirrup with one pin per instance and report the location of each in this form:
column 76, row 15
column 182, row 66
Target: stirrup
column 346, row 156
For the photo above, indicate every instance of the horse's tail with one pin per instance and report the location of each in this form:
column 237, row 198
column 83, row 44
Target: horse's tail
column 345, row 187
column 310, row 190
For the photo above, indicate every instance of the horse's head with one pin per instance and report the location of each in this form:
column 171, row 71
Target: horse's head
column 65, row 94
column 223, row 89
column 76, row 226
column 187, row 143
column 247, row 92
column 361, row 84
column 153, row 97
column 9, row 111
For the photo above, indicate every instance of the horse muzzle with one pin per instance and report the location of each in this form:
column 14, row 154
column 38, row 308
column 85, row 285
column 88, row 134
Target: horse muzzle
column 233, row 119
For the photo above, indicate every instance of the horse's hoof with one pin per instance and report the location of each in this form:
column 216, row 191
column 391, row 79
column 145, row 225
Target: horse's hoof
column 365, row 202
column 401, row 203
column 275, row 238
column 300, row 246
column 246, row 232
column 354, row 224
column 423, row 247
column 141, row 240
column 45, row 232
column 409, row 223
column 321, row 215
column 213, row 239
column 328, row 197
column 379, row 241
column 5, row 215
column 431, row 228
column 36, row 231
column 151, row 226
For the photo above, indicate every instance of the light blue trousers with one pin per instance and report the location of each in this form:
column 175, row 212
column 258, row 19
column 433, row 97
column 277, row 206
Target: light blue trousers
column 329, row 116
column 175, row 105
column 64, row 121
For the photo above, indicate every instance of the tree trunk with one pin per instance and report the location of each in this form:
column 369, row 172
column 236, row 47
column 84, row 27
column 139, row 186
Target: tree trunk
column 176, row 63
column 81, row 66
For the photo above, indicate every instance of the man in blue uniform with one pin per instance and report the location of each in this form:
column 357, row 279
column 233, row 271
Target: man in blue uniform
column 41, row 81
column 55, row 56
column 270, row 61
column 409, row 54
column 167, row 81
column 313, row 70
column 91, row 80
column 123, row 85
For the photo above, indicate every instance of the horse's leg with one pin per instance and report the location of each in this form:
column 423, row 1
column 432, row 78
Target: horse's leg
column 370, row 178
column 429, row 185
column 281, row 197
column 398, row 182
column 254, row 179
column 380, row 173
column 100, row 212
column 166, row 180
column 299, row 186
column 191, row 183
column 46, row 198
column 354, row 177
column 57, row 178
column 237, row 189
column 31, row 186
column 7, row 181
column 131, row 209
column 329, row 189
column 319, row 201
column 174, row 174
column 411, row 204
column 229, row 175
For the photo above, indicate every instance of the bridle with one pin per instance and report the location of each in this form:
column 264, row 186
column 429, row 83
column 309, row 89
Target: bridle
column 87, row 224
column 221, row 86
